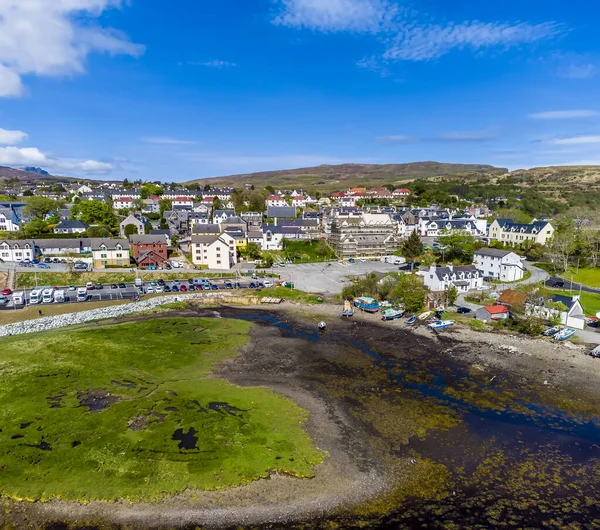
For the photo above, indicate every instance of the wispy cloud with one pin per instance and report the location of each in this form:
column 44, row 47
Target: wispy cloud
column 374, row 65
column 164, row 140
column 364, row 16
column 32, row 156
column 578, row 71
column 426, row 42
column 406, row 34
column 213, row 63
column 563, row 114
column 468, row 136
column 577, row 140
column 394, row 139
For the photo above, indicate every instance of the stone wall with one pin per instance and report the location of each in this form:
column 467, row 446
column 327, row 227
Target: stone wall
column 70, row 319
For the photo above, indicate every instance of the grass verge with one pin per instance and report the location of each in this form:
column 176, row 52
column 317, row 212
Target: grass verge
column 127, row 412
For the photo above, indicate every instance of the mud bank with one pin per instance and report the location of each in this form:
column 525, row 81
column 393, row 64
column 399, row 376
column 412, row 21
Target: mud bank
column 453, row 430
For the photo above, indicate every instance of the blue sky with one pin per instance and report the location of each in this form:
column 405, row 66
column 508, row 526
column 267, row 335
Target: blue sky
column 195, row 88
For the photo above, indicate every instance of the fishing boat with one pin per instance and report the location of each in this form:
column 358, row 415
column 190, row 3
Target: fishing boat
column 391, row 314
column 412, row 320
column 550, row 332
column 348, row 311
column 366, row 303
column 442, row 324
column 564, row 334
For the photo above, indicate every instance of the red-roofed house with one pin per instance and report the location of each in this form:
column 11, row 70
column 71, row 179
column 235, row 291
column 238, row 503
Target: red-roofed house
column 208, row 201
column 492, row 312
column 402, row 192
column 276, row 200
column 183, row 201
column 123, row 203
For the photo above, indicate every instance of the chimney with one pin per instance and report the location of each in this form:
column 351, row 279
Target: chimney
column 451, row 267
column 275, row 221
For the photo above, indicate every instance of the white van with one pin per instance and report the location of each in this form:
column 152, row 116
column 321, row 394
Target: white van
column 35, row 297
column 48, row 295
column 18, row 298
column 82, row 294
column 59, row 297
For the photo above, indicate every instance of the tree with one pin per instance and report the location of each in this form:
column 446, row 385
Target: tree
column 412, row 248
column 149, row 190
column 270, row 189
column 99, row 231
column 217, row 205
column 451, row 295
column 411, row 292
column 139, row 204
column 32, row 229
column 27, row 193
column 165, row 205
column 252, row 251
column 458, row 245
column 130, row 229
column 40, row 206
column 323, row 249
column 96, row 213
column 563, row 243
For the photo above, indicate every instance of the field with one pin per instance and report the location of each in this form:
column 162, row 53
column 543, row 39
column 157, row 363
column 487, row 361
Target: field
column 128, row 412
column 27, row 279
column 590, row 276
column 589, row 301
column 305, row 251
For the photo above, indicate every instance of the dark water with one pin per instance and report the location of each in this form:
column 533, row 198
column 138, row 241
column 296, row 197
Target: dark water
column 542, row 442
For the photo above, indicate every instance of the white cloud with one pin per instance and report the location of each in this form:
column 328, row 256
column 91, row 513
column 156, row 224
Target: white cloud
column 32, row 156
column 577, row 140
column 468, row 136
column 12, row 137
column 214, row 63
column 53, row 38
column 164, row 140
column 375, row 65
column 406, row 34
column 563, row 114
column 578, row 71
column 337, row 15
column 424, row 42
column 395, row 139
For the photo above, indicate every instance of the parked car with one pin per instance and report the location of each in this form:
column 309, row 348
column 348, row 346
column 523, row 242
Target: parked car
column 191, row 287
column 252, row 285
column 43, row 266
column 80, row 266
column 47, row 260
column 183, row 288
column 55, row 260
column 6, row 292
column 35, row 261
column 161, row 282
column 159, row 289
column 72, row 288
column 114, row 286
column 214, row 287
column 191, row 281
column 150, row 290
column 175, row 289
column 3, row 301
column 268, row 283
column 153, row 283
column 99, row 286
column 89, row 286
column 166, row 289
column 463, row 310
column 558, row 283
column 122, row 286
column 362, row 260
column 176, row 282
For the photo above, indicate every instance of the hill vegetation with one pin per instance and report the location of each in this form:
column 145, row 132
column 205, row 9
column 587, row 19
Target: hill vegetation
column 329, row 178
column 20, row 175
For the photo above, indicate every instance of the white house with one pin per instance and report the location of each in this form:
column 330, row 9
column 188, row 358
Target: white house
column 70, row 227
column 272, row 237
column 183, row 201
column 215, row 252
column 573, row 316
column 123, row 203
column 502, row 265
column 402, row 192
column 17, row 250
column 121, row 194
column 9, row 219
column 83, row 189
column 276, row 200
column 197, row 218
column 220, row 216
column 464, row 278
column 299, row 201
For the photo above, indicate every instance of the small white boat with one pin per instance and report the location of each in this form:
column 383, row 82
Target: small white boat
column 425, row 315
column 550, row 332
column 565, row 334
column 348, row 311
column 391, row 314
column 442, row 324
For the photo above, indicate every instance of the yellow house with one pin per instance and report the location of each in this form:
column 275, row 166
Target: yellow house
column 110, row 253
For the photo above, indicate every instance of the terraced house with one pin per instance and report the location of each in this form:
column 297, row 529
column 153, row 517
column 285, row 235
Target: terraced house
column 507, row 231
column 366, row 236
column 17, row 250
column 108, row 253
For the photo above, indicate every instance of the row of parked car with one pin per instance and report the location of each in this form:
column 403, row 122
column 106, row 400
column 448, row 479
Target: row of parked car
column 200, row 284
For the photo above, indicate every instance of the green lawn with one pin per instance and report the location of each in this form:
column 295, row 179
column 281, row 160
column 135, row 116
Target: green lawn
column 149, row 382
column 306, row 251
column 290, row 294
column 589, row 301
column 589, row 276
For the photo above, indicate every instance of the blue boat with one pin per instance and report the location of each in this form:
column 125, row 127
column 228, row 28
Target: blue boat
column 441, row 324
column 365, row 303
column 391, row 314
column 565, row 334
column 348, row 311
column 412, row 320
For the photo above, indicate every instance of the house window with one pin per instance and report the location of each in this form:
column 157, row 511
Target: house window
column 119, row 255
column 120, row 262
column 103, row 256
column 104, row 263
column 219, row 261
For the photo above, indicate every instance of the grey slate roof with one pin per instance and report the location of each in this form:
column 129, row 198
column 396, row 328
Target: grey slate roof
column 282, row 211
column 203, row 229
column 493, row 252
column 72, row 224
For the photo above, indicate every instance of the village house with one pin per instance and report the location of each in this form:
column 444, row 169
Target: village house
column 400, row 193
column 496, row 264
column 571, row 313
column 183, row 202
column 70, row 227
column 10, row 216
column 136, row 220
column 272, row 237
column 166, row 234
column 220, row 216
column 214, row 251
column 64, row 247
column 206, row 230
column 17, row 250
column 197, row 218
column 465, row 278
column 276, row 200
column 149, row 251
column 282, row 212
column 123, row 203
column 366, row 236
column 107, row 253
column 509, row 232
column 252, row 218
column 492, row 312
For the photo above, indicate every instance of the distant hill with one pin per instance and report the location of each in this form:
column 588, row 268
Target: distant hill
column 9, row 173
column 37, row 170
column 326, row 177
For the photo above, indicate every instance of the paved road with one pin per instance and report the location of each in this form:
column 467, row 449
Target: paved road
column 571, row 285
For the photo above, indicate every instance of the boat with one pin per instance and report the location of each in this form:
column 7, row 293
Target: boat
column 392, row 314
column 442, row 324
column 423, row 316
column 322, row 325
column 550, row 332
column 565, row 334
column 366, row 303
column 412, row 320
column 348, row 311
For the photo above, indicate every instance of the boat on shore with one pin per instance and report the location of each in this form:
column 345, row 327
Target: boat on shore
column 441, row 324
column 565, row 334
column 392, row 314
column 550, row 332
column 365, row 303
column 425, row 315
column 411, row 320
column 348, row 310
